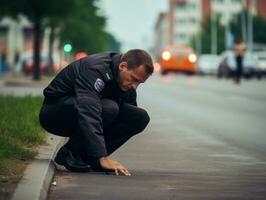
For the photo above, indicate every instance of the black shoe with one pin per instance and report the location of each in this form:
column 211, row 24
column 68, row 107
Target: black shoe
column 70, row 162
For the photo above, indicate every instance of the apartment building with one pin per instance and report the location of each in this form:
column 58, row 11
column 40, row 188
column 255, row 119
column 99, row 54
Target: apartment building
column 184, row 18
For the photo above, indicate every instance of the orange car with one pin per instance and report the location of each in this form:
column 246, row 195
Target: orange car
column 179, row 59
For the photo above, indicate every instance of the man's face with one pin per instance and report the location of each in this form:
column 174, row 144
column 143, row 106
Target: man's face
column 131, row 78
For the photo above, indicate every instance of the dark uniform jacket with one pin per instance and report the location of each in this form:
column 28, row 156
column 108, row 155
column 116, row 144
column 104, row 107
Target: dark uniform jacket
column 89, row 80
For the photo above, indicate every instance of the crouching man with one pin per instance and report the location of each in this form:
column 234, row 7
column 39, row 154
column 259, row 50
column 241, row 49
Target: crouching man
column 93, row 102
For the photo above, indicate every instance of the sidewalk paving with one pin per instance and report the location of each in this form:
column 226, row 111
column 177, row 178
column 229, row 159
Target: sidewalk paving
column 171, row 162
column 20, row 85
column 167, row 161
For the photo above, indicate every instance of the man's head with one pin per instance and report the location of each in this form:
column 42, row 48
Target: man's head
column 135, row 67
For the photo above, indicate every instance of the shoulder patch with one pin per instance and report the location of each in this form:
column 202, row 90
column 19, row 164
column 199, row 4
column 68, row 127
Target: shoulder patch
column 99, row 85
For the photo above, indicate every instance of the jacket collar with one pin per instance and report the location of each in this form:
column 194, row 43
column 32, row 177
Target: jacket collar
column 116, row 59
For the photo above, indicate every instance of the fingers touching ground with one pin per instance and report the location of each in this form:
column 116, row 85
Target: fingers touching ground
column 108, row 163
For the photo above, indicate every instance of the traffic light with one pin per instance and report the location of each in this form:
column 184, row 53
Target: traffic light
column 67, row 47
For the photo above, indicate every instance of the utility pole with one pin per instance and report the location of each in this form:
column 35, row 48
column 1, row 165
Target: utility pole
column 250, row 25
column 199, row 34
column 243, row 24
column 227, row 26
column 213, row 33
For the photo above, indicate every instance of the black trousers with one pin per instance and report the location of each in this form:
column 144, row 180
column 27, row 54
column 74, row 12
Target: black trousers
column 119, row 123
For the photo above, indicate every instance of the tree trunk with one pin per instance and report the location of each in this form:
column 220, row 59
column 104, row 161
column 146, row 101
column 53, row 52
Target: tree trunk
column 51, row 50
column 36, row 54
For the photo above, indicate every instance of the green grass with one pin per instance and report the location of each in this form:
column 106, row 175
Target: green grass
column 20, row 131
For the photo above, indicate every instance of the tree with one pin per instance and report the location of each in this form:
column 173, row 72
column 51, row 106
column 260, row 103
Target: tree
column 57, row 14
column 79, row 22
column 36, row 11
column 113, row 44
column 205, row 36
column 239, row 27
column 87, row 27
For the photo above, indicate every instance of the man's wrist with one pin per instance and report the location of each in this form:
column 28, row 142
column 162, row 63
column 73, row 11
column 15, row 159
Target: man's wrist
column 103, row 158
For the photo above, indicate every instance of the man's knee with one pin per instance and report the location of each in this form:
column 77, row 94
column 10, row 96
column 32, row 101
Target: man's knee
column 110, row 110
column 143, row 120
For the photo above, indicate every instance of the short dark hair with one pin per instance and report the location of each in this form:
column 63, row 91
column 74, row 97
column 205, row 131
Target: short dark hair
column 136, row 58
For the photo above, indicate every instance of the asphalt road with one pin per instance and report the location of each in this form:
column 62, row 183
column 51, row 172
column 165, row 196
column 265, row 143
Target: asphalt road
column 233, row 113
column 206, row 140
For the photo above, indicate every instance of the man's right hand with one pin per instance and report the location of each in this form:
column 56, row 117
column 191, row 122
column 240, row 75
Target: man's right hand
column 108, row 163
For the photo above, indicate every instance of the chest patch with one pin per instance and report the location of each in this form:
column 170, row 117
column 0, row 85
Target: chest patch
column 99, row 85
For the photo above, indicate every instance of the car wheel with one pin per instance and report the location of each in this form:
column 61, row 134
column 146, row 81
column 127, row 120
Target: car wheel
column 164, row 72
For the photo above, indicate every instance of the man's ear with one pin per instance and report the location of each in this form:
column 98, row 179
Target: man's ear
column 122, row 66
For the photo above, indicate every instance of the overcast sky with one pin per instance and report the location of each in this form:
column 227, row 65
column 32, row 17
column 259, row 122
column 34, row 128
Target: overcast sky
column 132, row 21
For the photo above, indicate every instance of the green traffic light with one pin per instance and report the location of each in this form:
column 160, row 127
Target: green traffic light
column 67, row 47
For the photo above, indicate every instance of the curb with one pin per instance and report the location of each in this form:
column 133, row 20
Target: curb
column 18, row 83
column 35, row 183
column 23, row 82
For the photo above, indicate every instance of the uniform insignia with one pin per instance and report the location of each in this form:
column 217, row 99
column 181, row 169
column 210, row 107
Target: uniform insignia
column 108, row 76
column 99, row 85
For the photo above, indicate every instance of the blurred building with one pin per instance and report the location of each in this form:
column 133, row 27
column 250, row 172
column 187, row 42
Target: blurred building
column 161, row 36
column 183, row 20
column 16, row 37
column 180, row 23
column 259, row 7
column 228, row 9
column 16, row 40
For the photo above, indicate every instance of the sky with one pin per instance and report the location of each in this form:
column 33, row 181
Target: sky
column 132, row 21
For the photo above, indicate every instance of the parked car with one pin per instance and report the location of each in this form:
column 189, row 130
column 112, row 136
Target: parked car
column 208, row 64
column 261, row 62
column 178, row 59
column 28, row 63
column 228, row 66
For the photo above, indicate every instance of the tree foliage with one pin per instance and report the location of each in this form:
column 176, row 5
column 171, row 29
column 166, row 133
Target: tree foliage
column 241, row 22
column 78, row 22
column 84, row 28
column 205, row 36
column 36, row 11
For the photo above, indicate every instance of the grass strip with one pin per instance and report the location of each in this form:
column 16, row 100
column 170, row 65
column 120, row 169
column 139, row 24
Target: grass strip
column 20, row 131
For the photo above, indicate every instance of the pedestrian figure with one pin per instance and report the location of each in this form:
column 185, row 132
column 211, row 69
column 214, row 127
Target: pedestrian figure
column 240, row 49
column 93, row 102
column 3, row 64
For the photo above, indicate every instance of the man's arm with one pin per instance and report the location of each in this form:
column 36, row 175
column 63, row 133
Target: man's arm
column 89, row 111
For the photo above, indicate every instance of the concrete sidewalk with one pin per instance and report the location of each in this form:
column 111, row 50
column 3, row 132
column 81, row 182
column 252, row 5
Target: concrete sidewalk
column 20, row 80
column 37, row 178
column 171, row 162
column 168, row 161
column 20, row 85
